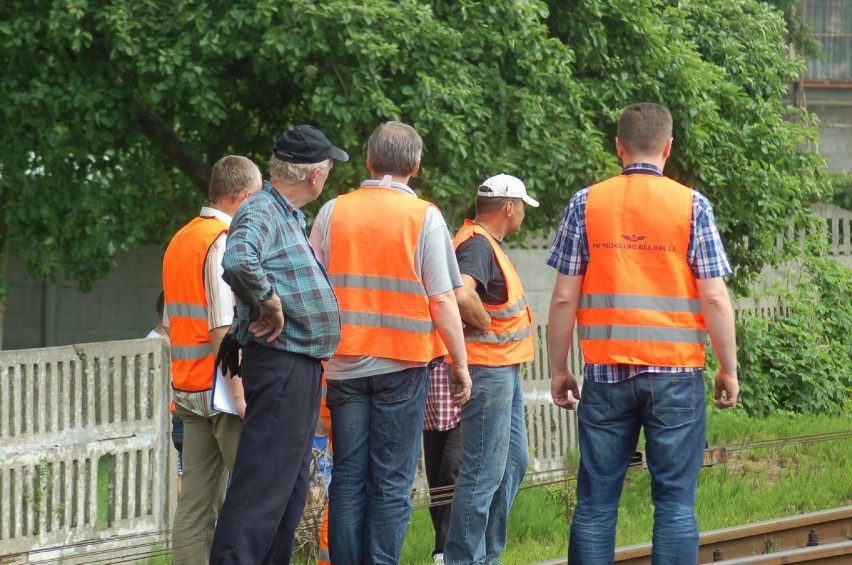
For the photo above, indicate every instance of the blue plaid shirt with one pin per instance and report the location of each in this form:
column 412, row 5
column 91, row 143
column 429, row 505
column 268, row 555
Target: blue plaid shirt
column 268, row 251
column 570, row 254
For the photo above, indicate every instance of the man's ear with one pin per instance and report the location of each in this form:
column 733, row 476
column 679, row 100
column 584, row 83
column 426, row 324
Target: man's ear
column 415, row 169
column 619, row 149
column 667, row 149
column 313, row 176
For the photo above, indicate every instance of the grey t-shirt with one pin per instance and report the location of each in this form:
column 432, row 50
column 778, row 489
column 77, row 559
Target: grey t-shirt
column 435, row 261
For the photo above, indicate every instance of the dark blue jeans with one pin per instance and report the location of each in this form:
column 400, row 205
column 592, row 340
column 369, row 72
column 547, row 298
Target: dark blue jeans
column 269, row 485
column 672, row 411
column 377, row 424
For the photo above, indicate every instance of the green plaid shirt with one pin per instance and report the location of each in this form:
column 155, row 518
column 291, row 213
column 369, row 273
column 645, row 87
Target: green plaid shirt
column 268, row 251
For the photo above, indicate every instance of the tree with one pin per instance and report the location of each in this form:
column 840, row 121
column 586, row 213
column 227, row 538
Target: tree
column 114, row 110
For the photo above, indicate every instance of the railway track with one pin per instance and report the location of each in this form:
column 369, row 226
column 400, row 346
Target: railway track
column 823, row 537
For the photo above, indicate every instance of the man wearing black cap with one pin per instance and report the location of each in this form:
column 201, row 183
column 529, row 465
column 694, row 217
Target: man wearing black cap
column 287, row 322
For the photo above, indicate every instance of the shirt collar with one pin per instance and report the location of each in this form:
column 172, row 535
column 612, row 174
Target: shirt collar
column 642, row 169
column 210, row 212
column 393, row 184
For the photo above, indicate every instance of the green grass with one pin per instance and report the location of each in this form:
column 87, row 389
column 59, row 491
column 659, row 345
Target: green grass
column 753, row 485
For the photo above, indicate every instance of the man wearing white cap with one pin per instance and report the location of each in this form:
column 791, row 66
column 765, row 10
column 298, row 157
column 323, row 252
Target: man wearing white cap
column 498, row 338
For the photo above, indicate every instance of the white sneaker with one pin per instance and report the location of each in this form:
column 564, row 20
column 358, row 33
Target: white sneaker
column 438, row 559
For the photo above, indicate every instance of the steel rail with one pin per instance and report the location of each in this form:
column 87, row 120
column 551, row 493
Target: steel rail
column 764, row 539
column 830, row 554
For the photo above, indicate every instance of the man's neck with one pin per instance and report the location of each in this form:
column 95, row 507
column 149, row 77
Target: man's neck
column 658, row 161
column 224, row 208
column 495, row 229
column 294, row 193
column 401, row 180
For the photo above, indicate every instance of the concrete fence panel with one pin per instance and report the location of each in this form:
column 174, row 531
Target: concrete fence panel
column 84, row 451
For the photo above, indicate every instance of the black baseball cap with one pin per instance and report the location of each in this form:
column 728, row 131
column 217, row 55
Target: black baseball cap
column 306, row 144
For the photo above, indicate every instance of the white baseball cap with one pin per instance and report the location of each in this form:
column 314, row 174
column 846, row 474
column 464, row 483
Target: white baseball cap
column 506, row 186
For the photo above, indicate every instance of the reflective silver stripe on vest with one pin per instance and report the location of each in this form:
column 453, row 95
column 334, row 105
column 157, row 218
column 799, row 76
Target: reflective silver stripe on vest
column 644, row 333
column 372, row 282
column 386, row 321
column 187, row 310
column 500, row 339
column 191, row 352
column 323, row 555
column 509, row 311
column 641, row 302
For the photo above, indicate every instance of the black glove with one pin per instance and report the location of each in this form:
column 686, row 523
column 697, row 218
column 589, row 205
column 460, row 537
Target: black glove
column 228, row 358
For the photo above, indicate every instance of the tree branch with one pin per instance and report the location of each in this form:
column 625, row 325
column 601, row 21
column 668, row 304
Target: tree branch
column 175, row 149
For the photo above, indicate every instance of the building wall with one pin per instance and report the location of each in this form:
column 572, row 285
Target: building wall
column 122, row 305
column 833, row 107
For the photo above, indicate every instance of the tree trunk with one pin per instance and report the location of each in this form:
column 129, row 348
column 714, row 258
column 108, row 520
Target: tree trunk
column 175, row 149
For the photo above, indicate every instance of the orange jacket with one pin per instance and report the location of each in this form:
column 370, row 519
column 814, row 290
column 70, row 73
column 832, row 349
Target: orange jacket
column 384, row 310
column 508, row 340
column 183, row 285
column 639, row 303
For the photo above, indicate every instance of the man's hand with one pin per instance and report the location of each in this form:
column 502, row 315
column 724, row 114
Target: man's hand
column 564, row 390
column 228, row 358
column 460, row 384
column 727, row 389
column 270, row 321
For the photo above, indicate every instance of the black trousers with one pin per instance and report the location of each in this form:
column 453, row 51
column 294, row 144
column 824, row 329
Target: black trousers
column 269, row 485
column 442, row 454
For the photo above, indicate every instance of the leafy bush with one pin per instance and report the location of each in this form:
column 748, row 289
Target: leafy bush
column 841, row 189
column 801, row 362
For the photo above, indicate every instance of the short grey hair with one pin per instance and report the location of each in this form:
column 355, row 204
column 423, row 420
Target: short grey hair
column 394, row 149
column 292, row 173
column 232, row 175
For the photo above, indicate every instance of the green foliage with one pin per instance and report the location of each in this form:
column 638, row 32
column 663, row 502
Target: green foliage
column 39, row 500
column 799, row 29
column 110, row 106
column 723, row 69
column 800, row 362
column 841, row 189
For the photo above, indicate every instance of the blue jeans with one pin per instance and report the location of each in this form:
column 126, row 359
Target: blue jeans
column 495, row 456
column 672, row 411
column 376, row 424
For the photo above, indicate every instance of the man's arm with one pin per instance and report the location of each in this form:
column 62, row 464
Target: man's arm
column 560, row 332
column 235, row 384
column 719, row 315
column 220, row 302
column 473, row 313
column 445, row 315
column 319, row 232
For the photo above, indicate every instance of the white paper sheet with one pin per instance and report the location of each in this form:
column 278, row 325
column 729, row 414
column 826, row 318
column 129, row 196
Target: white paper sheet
column 223, row 400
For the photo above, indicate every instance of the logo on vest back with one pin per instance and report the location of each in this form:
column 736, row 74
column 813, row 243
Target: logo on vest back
column 631, row 243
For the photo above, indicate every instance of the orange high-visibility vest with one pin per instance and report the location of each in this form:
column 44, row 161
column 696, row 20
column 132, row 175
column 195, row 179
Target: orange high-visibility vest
column 508, row 340
column 384, row 309
column 183, row 286
column 639, row 302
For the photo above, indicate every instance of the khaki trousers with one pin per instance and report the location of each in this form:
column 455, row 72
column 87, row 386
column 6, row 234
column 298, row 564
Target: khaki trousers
column 209, row 449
